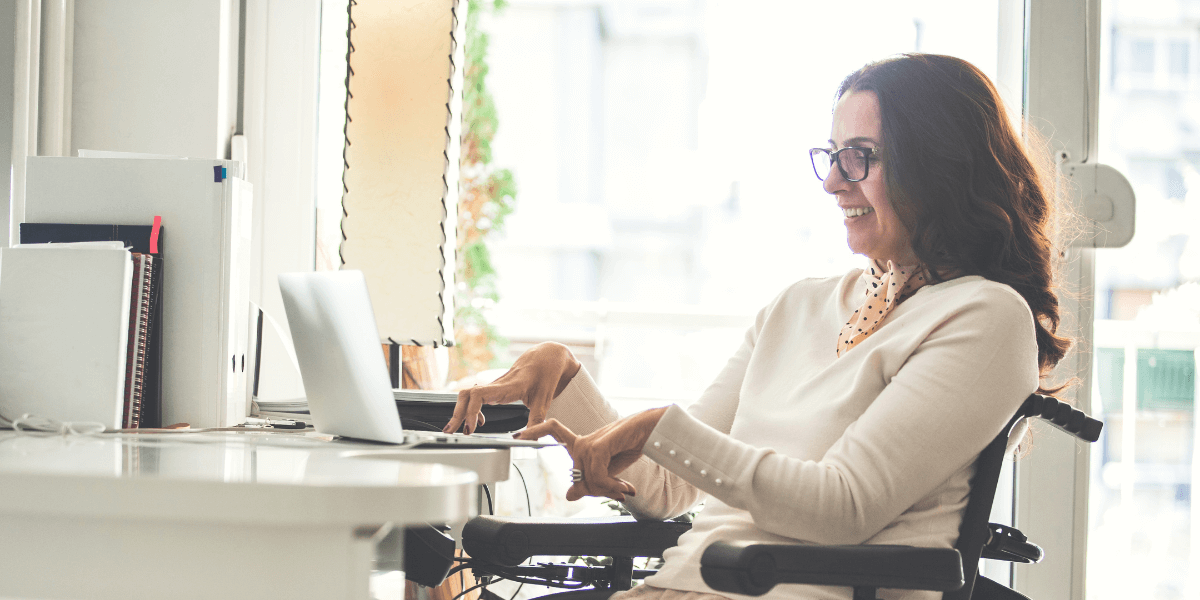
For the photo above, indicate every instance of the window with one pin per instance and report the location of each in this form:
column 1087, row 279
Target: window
column 660, row 155
column 1179, row 54
column 1142, row 539
column 1141, row 56
column 1152, row 59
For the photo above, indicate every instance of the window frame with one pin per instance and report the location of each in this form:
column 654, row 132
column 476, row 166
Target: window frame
column 1062, row 49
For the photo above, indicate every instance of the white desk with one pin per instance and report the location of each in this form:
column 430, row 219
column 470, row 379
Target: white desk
column 205, row 515
column 491, row 465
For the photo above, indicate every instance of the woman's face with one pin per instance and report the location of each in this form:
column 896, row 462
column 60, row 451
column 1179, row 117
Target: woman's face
column 878, row 232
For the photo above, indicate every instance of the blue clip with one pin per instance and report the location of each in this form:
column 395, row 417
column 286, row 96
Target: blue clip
column 218, row 174
column 224, row 174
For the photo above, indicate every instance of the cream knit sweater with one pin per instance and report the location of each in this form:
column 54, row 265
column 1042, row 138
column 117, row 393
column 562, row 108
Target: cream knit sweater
column 792, row 443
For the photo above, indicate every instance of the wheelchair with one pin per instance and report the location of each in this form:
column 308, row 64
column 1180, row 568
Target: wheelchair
column 498, row 547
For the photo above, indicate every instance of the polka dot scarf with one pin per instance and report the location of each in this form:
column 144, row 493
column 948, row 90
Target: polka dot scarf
column 886, row 290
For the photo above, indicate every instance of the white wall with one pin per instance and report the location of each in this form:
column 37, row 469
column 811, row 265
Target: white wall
column 157, row 77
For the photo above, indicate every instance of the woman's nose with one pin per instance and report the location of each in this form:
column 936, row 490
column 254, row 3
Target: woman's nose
column 834, row 182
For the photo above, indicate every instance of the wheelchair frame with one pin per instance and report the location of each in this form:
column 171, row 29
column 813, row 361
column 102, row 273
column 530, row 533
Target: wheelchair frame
column 498, row 546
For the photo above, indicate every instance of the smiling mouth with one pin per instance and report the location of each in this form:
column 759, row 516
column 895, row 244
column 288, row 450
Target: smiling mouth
column 857, row 212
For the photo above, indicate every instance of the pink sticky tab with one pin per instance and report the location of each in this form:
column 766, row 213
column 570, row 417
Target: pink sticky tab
column 154, row 234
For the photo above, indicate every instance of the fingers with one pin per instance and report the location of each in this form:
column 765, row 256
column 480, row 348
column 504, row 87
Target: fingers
column 553, row 428
column 618, row 490
column 593, row 456
column 511, row 387
column 597, row 466
column 537, row 413
column 467, row 409
column 460, row 412
column 531, row 380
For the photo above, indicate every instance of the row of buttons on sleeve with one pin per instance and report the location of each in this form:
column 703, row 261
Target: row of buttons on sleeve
column 688, row 463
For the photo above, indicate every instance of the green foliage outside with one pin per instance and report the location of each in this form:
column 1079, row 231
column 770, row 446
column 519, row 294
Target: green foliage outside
column 486, row 197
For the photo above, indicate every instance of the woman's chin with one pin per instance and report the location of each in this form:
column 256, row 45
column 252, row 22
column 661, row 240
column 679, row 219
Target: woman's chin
column 858, row 245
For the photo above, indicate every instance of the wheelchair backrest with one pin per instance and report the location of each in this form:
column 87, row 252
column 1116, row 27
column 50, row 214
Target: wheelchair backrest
column 974, row 532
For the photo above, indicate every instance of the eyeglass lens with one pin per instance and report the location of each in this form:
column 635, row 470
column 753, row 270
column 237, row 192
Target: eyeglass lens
column 852, row 162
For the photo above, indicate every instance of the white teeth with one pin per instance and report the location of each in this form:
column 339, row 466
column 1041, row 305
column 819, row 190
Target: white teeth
column 857, row 212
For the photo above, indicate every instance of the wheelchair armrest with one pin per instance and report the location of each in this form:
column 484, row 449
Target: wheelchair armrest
column 754, row 569
column 509, row 541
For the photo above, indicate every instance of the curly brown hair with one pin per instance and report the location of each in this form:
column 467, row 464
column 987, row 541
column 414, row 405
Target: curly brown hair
column 973, row 195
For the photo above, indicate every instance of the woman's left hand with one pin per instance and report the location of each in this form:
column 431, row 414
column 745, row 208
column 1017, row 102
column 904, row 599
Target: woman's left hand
column 602, row 454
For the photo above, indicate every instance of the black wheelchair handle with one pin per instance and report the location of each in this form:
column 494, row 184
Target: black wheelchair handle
column 1061, row 415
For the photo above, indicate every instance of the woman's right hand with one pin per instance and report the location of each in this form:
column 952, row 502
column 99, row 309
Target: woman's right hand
column 536, row 378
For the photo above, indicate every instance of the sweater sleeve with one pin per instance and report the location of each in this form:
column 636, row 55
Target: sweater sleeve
column 661, row 493
column 951, row 397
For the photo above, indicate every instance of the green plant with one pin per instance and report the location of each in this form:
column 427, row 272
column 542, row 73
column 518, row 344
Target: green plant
column 486, row 197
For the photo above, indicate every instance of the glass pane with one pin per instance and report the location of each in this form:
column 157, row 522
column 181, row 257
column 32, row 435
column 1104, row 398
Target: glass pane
column 1141, row 56
column 1141, row 518
column 1178, row 53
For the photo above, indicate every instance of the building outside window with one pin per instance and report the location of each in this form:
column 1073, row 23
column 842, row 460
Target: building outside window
column 1144, row 530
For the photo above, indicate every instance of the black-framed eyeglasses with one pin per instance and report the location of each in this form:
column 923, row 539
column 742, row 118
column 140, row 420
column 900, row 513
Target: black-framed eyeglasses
column 853, row 162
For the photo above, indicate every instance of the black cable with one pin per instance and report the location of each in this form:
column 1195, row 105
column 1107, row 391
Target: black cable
column 466, row 565
column 529, row 510
column 528, row 502
column 545, row 582
column 469, row 590
column 514, row 596
column 492, row 569
column 487, row 492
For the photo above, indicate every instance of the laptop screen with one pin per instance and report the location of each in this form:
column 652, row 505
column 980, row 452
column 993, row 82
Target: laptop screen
column 341, row 359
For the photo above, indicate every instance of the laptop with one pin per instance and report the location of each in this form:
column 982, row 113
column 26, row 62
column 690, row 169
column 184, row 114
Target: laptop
column 342, row 366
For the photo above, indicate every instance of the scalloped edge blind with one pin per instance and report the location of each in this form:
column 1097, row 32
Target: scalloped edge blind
column 403, row 126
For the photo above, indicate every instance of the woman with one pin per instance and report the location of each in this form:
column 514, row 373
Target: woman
column 856, row 406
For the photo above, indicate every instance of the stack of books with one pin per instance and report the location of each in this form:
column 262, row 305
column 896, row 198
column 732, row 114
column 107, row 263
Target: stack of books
column 86, row 303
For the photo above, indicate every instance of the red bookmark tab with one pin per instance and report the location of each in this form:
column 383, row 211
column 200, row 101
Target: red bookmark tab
column 154, row 234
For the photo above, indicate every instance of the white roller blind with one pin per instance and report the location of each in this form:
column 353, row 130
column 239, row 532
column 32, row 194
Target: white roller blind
column 402, row 147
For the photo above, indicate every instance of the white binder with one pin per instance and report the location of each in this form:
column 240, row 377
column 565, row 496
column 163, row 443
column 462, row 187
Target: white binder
column 206, row 216
column 64, row 326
